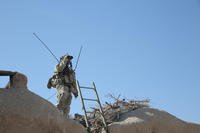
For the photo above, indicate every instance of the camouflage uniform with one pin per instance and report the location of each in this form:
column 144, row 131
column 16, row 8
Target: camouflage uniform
column 65, row 82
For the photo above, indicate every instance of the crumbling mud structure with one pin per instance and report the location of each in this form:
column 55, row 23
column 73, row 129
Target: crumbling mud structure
column 22, row 111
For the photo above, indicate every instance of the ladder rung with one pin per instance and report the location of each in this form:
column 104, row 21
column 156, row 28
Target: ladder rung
column 88, row 112
column 90, row 99
column 86, row 87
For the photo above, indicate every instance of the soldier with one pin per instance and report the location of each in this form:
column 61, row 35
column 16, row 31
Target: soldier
column 65, row 82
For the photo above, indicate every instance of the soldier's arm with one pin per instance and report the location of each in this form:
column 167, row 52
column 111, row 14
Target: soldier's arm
column 72, row 79
column 74, row 89
column 62, row 64
column 70, row 64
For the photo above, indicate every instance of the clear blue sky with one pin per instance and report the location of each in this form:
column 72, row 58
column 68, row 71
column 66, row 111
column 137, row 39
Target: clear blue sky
column 139, row 49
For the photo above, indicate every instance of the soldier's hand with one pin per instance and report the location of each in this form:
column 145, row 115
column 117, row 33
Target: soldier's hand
column 65, row 58
column 76, row 95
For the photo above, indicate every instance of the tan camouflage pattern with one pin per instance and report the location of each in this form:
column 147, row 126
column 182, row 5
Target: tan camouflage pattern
column 65, row 85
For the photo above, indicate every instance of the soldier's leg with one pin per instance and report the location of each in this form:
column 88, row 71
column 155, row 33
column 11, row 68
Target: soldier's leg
column 67, row 103
column 64, row 99
column 61, row 97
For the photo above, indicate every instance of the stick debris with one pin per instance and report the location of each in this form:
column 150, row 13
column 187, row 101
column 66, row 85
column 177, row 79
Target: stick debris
column 112, row 112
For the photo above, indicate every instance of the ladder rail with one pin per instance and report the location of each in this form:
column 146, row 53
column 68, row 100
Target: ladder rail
column 83, row 105
column 95, row 100
column 100, row 107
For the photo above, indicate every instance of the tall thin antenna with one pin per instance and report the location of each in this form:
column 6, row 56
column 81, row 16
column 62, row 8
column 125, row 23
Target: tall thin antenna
column 46, row 46
column 78, row 57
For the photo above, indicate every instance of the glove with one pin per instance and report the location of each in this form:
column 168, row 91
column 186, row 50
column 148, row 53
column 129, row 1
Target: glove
column 75, row 95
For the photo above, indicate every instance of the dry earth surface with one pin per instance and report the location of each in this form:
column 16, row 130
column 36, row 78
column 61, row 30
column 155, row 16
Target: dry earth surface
column 148, row 120
column 22, row 111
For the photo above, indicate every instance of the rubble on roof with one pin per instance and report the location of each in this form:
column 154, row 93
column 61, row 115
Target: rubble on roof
column 112, row 112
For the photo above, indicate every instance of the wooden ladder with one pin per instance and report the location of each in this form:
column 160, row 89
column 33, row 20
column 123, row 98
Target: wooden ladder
column 95, row 100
